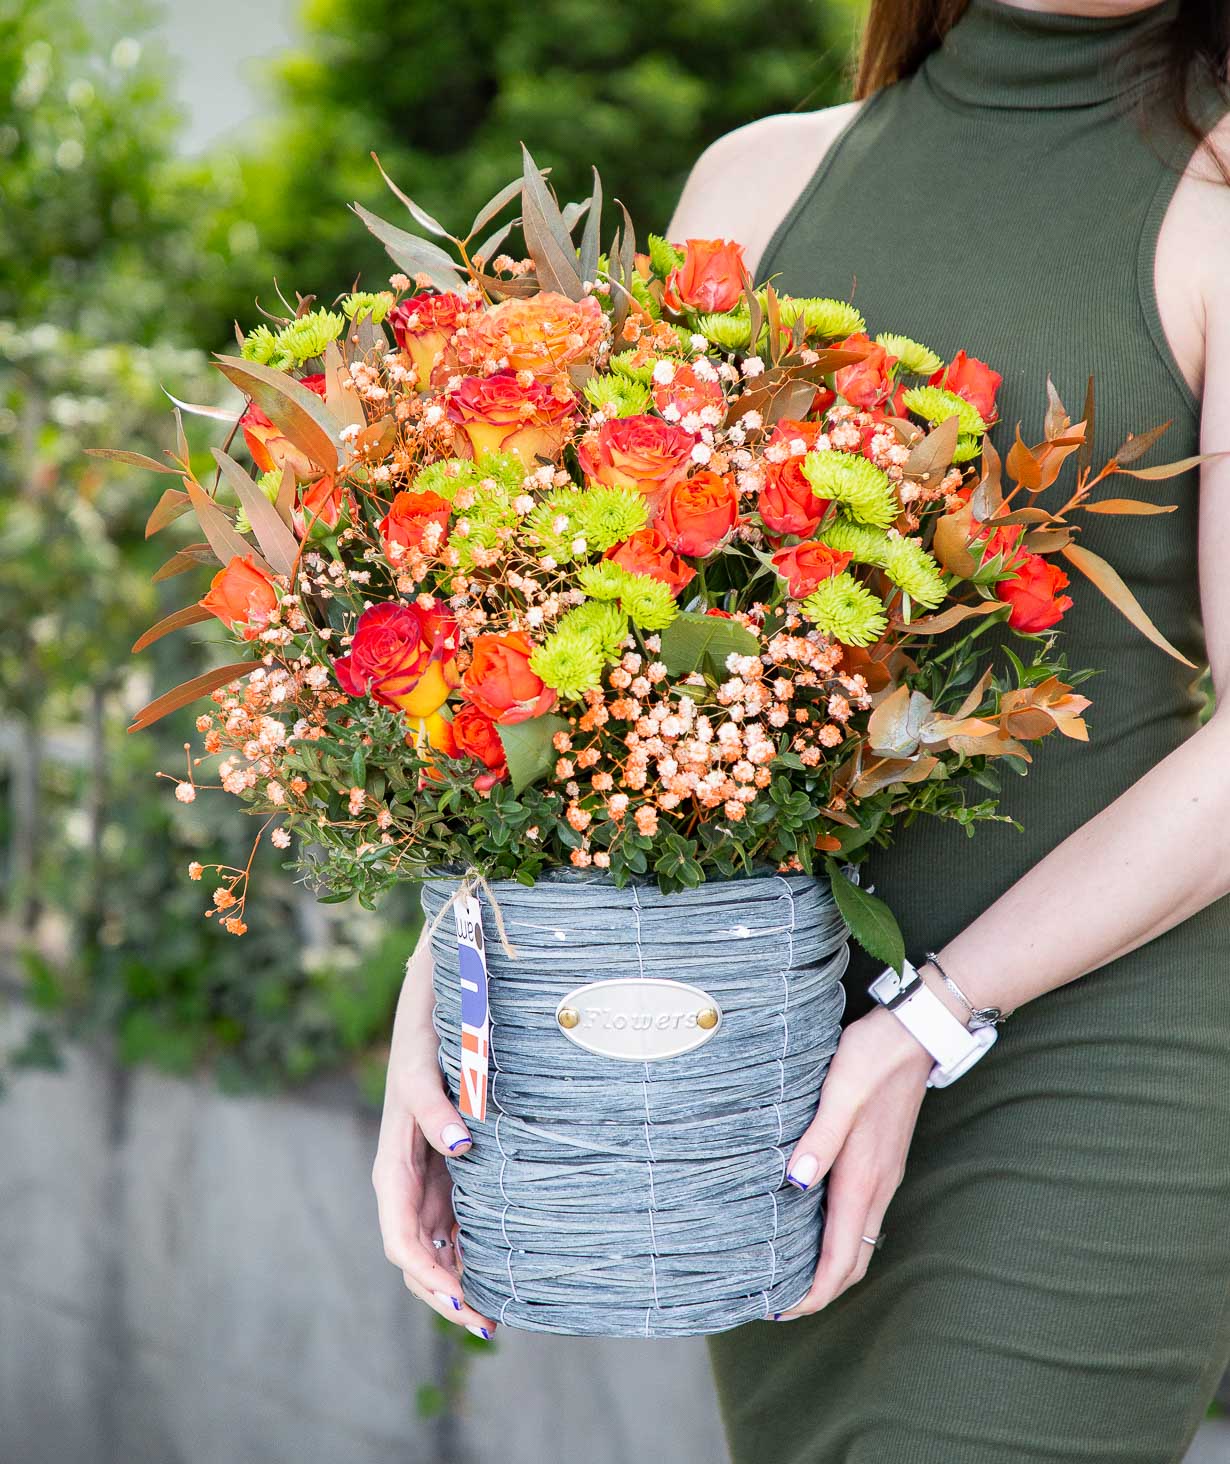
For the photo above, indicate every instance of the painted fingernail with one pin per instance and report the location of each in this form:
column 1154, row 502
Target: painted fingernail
column 480, row 1332
column 443, row 1296
column 802, row 1173
column 782, row 1317
column 453, row 1136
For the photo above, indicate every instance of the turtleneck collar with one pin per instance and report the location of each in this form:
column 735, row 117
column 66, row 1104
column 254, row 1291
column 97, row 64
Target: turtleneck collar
column 999, row 55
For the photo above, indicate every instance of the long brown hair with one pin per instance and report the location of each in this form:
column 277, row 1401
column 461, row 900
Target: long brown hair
column 899, row 34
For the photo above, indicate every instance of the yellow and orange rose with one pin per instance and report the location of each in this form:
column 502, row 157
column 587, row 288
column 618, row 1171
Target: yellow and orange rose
column 640, row 452
column 509, row 411
column 423, row 326
column 402, row 656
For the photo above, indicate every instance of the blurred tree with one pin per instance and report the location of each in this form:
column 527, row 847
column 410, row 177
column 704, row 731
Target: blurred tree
column 444, row 93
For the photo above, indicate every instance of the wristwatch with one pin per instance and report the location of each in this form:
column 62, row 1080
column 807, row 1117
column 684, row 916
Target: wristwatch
column 955, row 1047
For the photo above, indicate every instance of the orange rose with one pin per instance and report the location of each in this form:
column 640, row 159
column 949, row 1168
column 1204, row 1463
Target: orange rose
column 403, row 657
column 508, row 412
column 804, row 566
column 647, row 552
column 407, row 519
column 972, row 379
column 499, row 682
column 640, row 452
column 269, row 445
column 242, row 596
column 687, row 394
column 473, row 734
column 543, row 334
column 710, row 279
column 1033, row 593
column 423, row 327
column 697, row 514
column 787, row 504
column 320, row 507
column 866, row 383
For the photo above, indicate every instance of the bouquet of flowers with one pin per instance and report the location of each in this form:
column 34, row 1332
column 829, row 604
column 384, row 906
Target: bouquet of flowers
column 616, row 560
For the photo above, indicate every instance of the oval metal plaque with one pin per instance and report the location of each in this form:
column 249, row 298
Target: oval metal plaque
column 638, row 1020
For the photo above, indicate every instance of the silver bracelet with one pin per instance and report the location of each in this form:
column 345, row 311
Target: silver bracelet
column 979, row 1016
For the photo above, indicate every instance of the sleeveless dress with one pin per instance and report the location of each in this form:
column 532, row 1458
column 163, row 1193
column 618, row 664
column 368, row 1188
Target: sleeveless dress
column 1055, row 1284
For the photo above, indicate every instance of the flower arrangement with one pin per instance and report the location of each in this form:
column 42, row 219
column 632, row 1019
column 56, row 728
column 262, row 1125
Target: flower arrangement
column 618, row 561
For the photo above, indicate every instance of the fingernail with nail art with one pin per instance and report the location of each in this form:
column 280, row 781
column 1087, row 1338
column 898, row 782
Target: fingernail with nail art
column 443, row 1296
column 454, row 1136
column 480, row 1332
column 802, row 1173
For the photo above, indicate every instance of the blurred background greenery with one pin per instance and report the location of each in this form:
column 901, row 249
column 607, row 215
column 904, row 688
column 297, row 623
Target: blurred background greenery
column 133, row 231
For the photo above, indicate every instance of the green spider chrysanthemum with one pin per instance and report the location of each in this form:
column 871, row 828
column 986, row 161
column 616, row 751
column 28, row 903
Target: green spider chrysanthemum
column 626, row 364
column 855, row 483
column 605, row 515
column 629, row 398
column 604, row 620
column 829, row 319
column 846, row 610
column 310, row 334
column 604, row 580
column 906, row 563
column 551, row 525
column 966, row 449
column 261, row 345
column 727, row 332
column 915, row 358
column 645, row 297
column 570, row 660
column 933, row 404
column 648, row 602
column 663, row 256
column 376, row 304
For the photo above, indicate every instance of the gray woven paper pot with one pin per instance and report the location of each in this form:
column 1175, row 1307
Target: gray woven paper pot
column 653, row 1060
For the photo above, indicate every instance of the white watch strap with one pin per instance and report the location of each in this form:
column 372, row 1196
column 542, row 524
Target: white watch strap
column 926, row 1017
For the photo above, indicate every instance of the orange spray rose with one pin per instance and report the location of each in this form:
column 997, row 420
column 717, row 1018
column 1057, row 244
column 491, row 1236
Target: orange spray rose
column 698, row 513
column 710, row 279
column 242, row 596
column 499, row 682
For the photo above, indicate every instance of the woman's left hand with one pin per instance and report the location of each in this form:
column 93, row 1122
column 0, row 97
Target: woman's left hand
column 859, row 1137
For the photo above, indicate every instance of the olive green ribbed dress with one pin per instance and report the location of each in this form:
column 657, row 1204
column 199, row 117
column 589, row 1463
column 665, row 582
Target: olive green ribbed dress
column 1056, row 1281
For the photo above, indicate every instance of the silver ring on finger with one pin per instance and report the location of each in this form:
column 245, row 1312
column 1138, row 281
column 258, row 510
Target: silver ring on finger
column 440, row 1242
column 875, row 1241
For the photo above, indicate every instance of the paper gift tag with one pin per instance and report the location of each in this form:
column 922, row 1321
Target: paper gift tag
column 475, row 1016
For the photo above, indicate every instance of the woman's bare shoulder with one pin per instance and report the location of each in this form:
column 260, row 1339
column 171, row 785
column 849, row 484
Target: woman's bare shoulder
column 742, row 185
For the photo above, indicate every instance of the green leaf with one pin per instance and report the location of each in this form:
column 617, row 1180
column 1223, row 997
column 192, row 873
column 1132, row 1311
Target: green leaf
column 871, row 922
column 529, row 749
column 694, row 642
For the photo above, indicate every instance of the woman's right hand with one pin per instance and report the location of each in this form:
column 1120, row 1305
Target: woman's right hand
column 418, row 1127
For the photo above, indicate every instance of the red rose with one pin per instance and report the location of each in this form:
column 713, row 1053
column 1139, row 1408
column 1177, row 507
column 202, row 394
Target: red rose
column 972, row 379
column 804, row 566
column 505, row 413
column 866, row 383
column 407, row 519
column 499, row 682
column 242, row 596
column 647, row 552
column 320, row 506
column 698, row 513
column 640, row 452
column 403, row 657
column 1033, row 593
column 268, row 444
column 423, row 326
column 787, row 504
column 710, row 279
column 473, row 734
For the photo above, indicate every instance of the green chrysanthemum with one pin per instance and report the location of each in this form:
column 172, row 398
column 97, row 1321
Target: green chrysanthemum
column 625, row 364
column 645, row 298
column 308, row 336
column 852, row 481
column 551, row 526
column 933, row 404
column 966, row 449
column 604, row 620
column 604, row 580
column 915, row 358
column 846, row 610
column 366, row 302
column 570, row 660
column 829, row 319
column 495, row 478
column 648, row 602
column 906, row 563
column 605, row 515
column 630, row 398
column 262, row 346
column 663, row 256
column 727, row 332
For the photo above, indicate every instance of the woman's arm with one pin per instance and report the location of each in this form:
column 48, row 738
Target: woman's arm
column 1155, row 856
